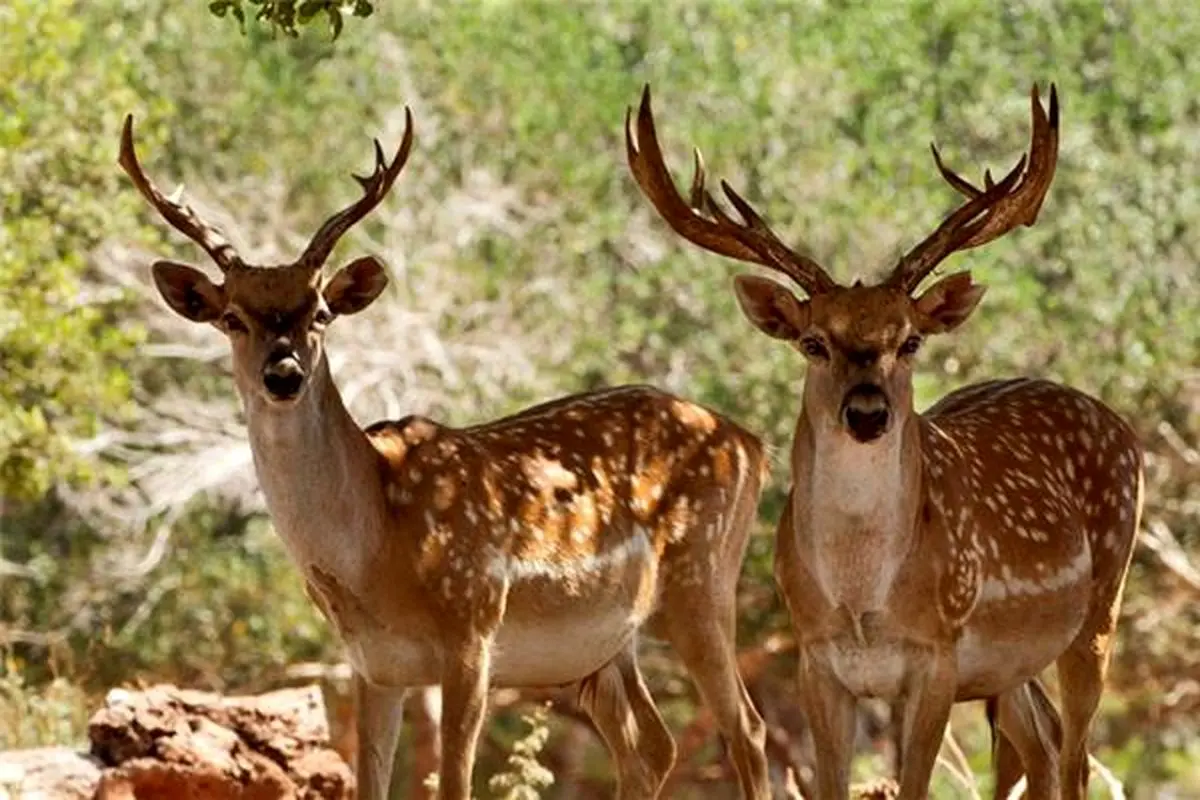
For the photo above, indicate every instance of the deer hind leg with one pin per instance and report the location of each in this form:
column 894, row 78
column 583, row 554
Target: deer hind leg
column 1081, row 677
column 698, row 616
column 1084, row 664
column 1028, row 738
column 378, row 719
column 703, row 639
column 1081, row 672
column 1006, row 761
column 616, row 699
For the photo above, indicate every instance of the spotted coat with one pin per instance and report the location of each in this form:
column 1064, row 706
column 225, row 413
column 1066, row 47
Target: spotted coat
column 1029, row 494
column 622, row 493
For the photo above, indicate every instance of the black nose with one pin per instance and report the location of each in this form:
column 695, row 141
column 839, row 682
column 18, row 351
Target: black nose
column 866, row 412
column 283, row 378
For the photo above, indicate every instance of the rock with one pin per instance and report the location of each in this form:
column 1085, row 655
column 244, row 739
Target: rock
column 165, row 742
column 168, row 742
column 48, row 773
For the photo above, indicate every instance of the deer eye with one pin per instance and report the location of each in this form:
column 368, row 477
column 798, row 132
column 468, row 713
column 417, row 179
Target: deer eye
column 911, row 345
column 813, row 347
column 233, row 323
column 322, row 318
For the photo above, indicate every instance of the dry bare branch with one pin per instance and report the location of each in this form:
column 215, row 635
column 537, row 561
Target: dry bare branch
column 1162, row 542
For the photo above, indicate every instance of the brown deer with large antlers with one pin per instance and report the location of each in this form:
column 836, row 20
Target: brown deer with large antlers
column 937, row 557
column 529, row 551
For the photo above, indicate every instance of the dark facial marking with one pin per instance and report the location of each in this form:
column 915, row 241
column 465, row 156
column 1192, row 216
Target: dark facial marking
column 862, row 357
column 279, row 322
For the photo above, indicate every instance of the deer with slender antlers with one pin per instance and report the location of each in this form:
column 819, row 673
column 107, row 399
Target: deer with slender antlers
column 525, row 552
column 929, row 558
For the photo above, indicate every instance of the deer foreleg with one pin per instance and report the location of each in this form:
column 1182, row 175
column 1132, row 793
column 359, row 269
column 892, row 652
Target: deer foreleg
column 464, row 704
column 378, row 720
column 928, row 700
column 830, row 709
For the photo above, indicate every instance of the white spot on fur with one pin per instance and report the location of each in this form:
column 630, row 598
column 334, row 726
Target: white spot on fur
column 636, row 547
column 1007, row 585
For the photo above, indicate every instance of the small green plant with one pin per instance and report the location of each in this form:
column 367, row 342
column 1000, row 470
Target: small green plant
column 54, row 713
column 525, row 776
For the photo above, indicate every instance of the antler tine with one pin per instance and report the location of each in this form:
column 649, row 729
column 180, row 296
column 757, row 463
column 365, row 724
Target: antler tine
column 703, row 201
column 804, row 271
column 997, row 208
column 961, row 184
column 650, row 171
column 1022, row 205
column 180, row 215
column 375, row 187
column 948, row 237
column 751, row 241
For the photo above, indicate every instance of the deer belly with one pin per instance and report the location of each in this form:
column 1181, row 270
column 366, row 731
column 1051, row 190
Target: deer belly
column 1006, row 643
column 390, row 660
column 563, row 624
column 562, row 649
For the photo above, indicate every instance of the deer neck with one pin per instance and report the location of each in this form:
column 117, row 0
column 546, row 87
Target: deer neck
column 320, row 476
column 856, row 507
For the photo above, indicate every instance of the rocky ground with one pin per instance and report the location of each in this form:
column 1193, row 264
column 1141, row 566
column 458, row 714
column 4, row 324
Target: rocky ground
column 165, row 742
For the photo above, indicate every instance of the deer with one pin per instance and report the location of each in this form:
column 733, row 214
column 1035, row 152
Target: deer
column 529, row 551
column 928, row 558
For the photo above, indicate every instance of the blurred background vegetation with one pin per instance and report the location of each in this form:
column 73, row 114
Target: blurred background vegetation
column 133, row 544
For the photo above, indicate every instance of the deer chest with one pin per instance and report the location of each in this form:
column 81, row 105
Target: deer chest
column 855, row 563
column 389, row 655
column 875, row 668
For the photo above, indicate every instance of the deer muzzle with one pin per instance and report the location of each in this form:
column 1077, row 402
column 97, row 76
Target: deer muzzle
column 283, row 376
column 866, row 412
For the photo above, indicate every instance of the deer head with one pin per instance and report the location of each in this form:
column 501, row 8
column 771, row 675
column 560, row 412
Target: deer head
column 275, row 317
column 859, row 340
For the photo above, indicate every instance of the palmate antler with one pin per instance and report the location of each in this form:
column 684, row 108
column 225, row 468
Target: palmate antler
column 996, row 209
column 751, row 240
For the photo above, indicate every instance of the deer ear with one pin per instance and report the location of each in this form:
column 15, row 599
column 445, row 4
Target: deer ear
column 188, row 291
column 770, row 307
column 947, row 304
column 355, row 286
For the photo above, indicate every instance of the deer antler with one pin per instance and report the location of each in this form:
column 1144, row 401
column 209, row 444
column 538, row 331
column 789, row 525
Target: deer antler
column 375, row 188
column 750, row 240
column 996, row 209
column 181, row 216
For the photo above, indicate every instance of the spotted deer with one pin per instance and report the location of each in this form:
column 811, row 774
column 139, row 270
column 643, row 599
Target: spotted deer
column 528, row 551
column 930, row 558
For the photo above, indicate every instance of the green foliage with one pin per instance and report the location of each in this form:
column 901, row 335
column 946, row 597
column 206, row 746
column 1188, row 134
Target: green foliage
column 107, row 623
column 240, row 601
column 62, row 341
column 286, row 15
column 524, row 776
column 44, row 715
